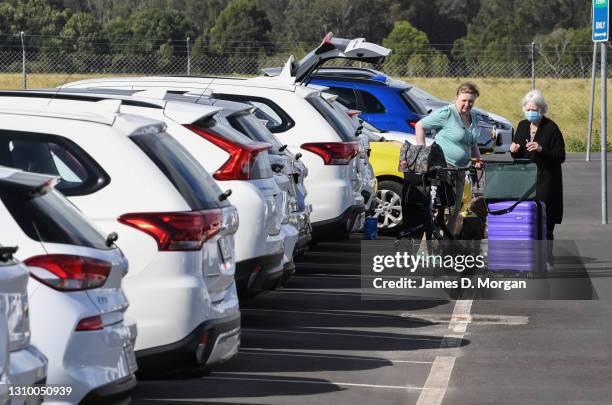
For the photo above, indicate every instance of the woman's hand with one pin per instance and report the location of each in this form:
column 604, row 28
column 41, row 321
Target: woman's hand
column 514, row 147
column 534, row 146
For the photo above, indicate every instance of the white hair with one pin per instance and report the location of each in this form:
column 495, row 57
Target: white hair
column 536, row 97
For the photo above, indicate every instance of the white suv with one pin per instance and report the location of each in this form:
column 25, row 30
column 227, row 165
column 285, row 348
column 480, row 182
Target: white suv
column 174, row 224
column 235, row 161
column 76, row 301
column 25, row 364
column 292, row 115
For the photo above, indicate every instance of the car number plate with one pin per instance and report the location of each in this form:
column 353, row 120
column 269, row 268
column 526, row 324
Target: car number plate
column 226, row 255
column 130, row 357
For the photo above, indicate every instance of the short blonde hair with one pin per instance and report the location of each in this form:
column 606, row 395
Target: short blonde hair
column 536, row 97
column 469, row 88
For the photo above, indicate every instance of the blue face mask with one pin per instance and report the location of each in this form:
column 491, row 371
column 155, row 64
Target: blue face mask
column 533, row 116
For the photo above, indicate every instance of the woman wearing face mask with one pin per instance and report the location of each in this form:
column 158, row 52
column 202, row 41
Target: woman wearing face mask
column 538, row 138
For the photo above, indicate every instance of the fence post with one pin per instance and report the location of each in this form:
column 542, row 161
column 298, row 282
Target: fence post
column 533, row 66
column 23, row 61
column 188, row 58
column 591, row 104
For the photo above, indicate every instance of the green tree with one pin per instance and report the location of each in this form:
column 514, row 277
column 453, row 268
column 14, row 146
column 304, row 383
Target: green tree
column 405, row 41
column 242, row 27
column 149, row 30
column 82, row 33
column 40, row 20
column 309, row 21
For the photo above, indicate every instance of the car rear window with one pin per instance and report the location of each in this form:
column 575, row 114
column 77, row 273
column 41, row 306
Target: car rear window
column 55, row 155
column 371, row 105
column 186, row 174
column 346, row 97
column 250, row 126
column 51, row 218
column 342, row 126
column 270, row 113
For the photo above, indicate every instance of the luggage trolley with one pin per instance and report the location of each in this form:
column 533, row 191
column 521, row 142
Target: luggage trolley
column 439, row 186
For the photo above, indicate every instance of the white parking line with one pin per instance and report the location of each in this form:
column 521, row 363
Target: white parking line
column 442, row 368
column 227, row 376
column 341, row 334
column 437, row 381
column 265, row 352
column 338, row 313
column 461, row 316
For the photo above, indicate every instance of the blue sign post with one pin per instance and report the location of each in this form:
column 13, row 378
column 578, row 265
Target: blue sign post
column 600, row 34
column 600, row 20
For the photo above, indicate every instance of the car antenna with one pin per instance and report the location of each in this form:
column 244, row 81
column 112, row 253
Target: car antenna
column 60, row 87
column 204, row 91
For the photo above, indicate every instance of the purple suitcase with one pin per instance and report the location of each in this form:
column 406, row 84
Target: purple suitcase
column 517, row 238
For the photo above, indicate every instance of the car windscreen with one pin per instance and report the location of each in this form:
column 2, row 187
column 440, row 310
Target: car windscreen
column 342, row 126
column 250, row 126
column 186, row 174
column 51, row 218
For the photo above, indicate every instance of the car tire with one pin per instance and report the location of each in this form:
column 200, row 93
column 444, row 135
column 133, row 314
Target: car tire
column 387, row 206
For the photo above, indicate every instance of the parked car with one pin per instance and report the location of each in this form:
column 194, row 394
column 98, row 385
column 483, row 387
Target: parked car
column 174, row 223
column 5, row 362
column 394, row 105
column 328, row 153
column 291, row 114
column 75, row 296
column 26, row 365
column 366, row 171
column 235, row 161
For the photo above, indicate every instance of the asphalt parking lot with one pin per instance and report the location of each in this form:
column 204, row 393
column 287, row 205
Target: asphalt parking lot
column 317, row 341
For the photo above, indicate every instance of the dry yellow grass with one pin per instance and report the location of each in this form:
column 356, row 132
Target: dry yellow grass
column 568, row 99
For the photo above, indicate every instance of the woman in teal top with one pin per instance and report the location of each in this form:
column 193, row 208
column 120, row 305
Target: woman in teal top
column 457, row 134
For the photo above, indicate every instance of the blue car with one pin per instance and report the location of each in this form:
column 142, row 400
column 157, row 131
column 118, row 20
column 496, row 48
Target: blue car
column 383, row 102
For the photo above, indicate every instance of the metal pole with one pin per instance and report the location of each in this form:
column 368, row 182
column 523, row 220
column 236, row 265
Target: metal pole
column 533, row 66
column 23, row 61
column 604, row 128
column 188, row 59
column 590, row 129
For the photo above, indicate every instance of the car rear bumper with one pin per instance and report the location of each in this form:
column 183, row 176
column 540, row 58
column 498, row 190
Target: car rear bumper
column 340, row 226
column 259, row 273
column 213, row 341
column 28, row 366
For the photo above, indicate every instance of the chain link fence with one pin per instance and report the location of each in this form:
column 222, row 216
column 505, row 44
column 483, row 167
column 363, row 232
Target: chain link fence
column 565, row 85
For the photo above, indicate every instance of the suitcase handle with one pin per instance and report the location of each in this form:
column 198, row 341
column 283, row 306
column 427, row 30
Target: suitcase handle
column 513, row 206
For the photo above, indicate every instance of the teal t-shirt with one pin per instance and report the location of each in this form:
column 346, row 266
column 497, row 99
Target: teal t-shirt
column 453, row 137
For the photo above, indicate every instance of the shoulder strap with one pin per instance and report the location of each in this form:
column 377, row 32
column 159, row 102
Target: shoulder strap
column 513, row 206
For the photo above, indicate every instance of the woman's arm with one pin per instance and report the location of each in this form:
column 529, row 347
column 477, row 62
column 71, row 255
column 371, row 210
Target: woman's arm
column 520, row 138
column 433, row 121
column 555, row 150
column 419, row 132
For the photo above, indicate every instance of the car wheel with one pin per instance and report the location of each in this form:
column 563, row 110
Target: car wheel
column 387, row 206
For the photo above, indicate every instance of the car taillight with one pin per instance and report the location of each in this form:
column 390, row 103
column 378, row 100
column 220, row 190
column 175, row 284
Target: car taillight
column 241, row 162
column 89, row 324
column 412, row 123
column 333, row 153
column 69, row 272
column 176, row 231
